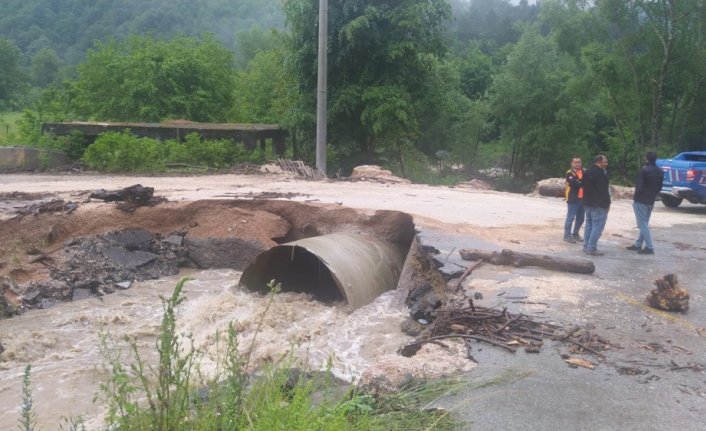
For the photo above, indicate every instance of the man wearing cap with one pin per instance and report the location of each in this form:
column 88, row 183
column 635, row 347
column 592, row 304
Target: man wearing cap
column 647, row 187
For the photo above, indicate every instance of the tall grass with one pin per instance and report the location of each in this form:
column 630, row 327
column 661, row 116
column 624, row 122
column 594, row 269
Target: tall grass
column 174, row 395
column 8, row 127
column 28, row 416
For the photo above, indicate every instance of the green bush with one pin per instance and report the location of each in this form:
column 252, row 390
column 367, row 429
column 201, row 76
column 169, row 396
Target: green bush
column 8, row 127
column 123, row 152
column 418, row 168
column 74, row 145
column 215, row 154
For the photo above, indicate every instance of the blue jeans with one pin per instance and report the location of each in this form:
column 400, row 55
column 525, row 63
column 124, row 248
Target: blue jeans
column 642, row 217
column 596, row 218
column 575, row 212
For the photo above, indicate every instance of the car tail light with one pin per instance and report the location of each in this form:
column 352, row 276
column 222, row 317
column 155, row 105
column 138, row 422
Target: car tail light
column 690, row 175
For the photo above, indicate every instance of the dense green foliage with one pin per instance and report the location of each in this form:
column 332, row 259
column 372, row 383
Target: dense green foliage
column 11, row 76
column 123, row 152
column 70, row 27
column 383, row 59
column 8, row 126
column 149, row 80
column 432, row 89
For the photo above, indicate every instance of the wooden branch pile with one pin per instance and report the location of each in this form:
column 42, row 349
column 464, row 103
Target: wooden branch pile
column 506, row 330
column 584, row 340
column 489, row 325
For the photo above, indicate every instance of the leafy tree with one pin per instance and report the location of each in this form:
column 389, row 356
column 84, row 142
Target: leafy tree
column 45, row 67
column 145, row 79
column 456, row 123
column 645, row 59
column 11, row 77
column 476, row 70
column 263, row 90
column 255, row 40
column 381, row 55
column 70, row 27
column 541, row 123
column 491, row 21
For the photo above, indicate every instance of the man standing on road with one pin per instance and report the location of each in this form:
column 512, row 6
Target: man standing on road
column 647, row 187
column 596, row 200
column 574, row 201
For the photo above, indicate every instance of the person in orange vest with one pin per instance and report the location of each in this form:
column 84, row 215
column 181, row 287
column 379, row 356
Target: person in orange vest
column 574, row 202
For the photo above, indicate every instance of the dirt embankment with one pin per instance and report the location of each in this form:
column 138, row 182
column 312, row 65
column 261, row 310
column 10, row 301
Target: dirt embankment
column 64, row 252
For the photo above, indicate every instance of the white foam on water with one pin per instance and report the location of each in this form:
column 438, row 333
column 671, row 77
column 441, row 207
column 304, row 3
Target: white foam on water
column 62, row 343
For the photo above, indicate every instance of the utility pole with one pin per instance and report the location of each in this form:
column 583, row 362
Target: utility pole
column 321, row 96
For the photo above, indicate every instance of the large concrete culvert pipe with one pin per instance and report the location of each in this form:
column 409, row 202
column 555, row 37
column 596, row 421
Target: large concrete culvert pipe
column 331, row 267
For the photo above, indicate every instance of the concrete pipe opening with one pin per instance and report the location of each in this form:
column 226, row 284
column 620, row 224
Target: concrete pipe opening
column 330, row 267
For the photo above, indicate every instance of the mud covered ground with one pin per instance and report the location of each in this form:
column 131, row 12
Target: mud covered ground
column 57, row 250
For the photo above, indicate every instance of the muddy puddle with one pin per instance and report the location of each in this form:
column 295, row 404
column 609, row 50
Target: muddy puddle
column 71, row 275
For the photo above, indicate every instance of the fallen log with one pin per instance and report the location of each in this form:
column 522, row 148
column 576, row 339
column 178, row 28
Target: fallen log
column 509, row 257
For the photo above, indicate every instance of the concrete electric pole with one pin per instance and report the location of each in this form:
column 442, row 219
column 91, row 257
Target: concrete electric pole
column 321, row 97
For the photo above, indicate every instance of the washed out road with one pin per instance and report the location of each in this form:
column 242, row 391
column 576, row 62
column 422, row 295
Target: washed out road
column 653, row 379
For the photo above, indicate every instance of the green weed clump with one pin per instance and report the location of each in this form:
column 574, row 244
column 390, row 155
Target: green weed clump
column 8, row 127
column 174, row 395
column 123, row 152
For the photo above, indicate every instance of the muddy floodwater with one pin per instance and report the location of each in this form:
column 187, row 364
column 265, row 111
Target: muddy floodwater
column 62, row 342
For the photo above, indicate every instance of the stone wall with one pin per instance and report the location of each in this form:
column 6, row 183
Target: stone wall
column 15, row 159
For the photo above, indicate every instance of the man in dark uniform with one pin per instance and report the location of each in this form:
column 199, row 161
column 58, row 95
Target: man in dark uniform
column 596, row 201
column 647, row 187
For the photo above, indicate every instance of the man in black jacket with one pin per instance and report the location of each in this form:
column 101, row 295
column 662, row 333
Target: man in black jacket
column 647, row 187
column 596, row 200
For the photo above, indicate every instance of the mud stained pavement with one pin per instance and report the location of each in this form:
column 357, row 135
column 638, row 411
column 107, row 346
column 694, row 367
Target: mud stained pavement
column 652, row 378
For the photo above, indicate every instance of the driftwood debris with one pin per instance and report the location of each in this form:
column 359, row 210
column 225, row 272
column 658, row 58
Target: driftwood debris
column 508, row 331
column 489, row 325
column 668, row 295
column 467, row 273
column 509, row 257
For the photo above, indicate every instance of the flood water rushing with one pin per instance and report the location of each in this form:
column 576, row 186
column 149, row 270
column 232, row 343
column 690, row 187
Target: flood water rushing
column 62, row 343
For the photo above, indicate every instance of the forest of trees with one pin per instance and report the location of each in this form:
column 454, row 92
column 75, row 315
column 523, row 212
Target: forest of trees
column 469, row 84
